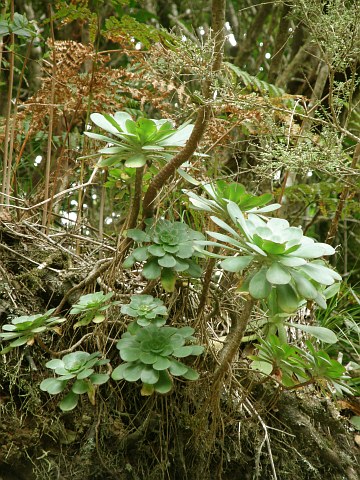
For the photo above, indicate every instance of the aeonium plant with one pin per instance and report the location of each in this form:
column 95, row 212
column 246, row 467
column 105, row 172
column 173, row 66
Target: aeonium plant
column 294, row 367
column 167, row 249
column 91, row 308
column 27, row 328
column 278, row 260
column 78, row 369
column 150, row 355
column 220, row 192
column 136, row 142
column 146, row 310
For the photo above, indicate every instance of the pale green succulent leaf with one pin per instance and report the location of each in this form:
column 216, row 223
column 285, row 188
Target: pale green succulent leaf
column 259, row 286
column 236, row 264
column 321, row 333
column 69, row 402
column 277, row 274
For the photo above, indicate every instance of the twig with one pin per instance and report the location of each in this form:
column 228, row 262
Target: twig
column 5, row 191
column 72, row 348
column 60, row 194
column 184, row 29
column 99, row 268
column 45, row 217
column 206, row 284
column 251, row 410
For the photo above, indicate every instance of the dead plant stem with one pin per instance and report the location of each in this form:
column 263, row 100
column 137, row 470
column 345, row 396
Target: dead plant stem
column 5, row 191
column 45, row 218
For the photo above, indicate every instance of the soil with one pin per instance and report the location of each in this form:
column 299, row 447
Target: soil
column 244, row 430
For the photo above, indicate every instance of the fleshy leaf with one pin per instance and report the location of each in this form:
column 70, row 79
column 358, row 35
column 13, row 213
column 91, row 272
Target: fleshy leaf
column 167, row 261
column 147, row 390
column 130, row 372
column 236, row 264
column 259, row 286
column 191, row 374
column 278, row 275
column 80, row 386
column 287, row 298
column 177, row 368
column 135, row 161
column 151, row 270
column 99, row 378
column 103, row 123
column 53, row 385
column 319, row 273
column 137, row 235
column 164, row 384
column 162, row 363
column 118, row 372
column 141, row 254
column 304, row 287
column 168, row 279
column 324, row 334
column 149, row 375
column 69, row 402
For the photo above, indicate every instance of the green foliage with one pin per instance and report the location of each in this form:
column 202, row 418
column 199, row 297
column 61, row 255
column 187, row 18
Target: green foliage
column 221, row 192
column 341, row 316
column 324, row 154
column 137, row 142
column 334, row 26
column 146, row 310
column 280, row 257
column 324, row 194
column 77, row 367
column 322, row 367
column 24, row 330
column 68, row 11
column 294, row 366
column 254, row 84
column 355, row 420
column 20, row 26
column 149, row 357
column 275, row 356
column 132, row 28
column 91, row 306
column 170, row 248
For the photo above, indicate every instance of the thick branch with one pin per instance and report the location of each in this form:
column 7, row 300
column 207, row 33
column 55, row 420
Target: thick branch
column 170, row 168
column 136, row 201
column 218, row 20
column 233, row 340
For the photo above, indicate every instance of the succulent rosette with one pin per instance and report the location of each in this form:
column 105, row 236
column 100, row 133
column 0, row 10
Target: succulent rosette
column 221, row 192
column 149, row 356
column 277, row 256
column 24, row 329
column 146, row 310
column 136, row 142
column 77, row 366
column 169, row 249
